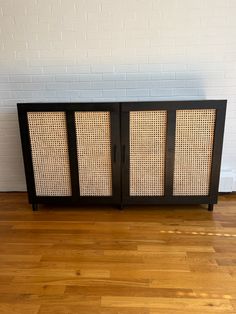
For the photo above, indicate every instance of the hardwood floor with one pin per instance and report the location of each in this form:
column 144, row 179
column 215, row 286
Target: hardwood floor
column 142, row 260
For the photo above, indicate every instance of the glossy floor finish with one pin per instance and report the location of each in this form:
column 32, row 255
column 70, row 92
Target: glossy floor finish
column 142, row 260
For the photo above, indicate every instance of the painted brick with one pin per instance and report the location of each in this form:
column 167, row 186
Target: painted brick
column 137, row 92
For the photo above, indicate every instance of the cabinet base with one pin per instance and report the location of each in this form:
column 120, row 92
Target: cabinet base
column 120, row 207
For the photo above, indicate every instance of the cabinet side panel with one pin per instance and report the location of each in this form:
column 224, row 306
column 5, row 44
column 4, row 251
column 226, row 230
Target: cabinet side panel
column 93, row 134
column 49, row 147
column 147, row 152
column 193, row 151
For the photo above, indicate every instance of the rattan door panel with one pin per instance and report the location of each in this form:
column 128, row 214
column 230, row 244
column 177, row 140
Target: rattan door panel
column 147, row 140
column 193, row 151
column 93, row 135
column 49, row 149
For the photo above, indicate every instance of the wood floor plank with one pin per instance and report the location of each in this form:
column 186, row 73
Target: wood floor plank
column 74, row 309
column 20, row 257
column 120, row 290
column 187, row 311
column 56, row 280
column 32, row 289
column 194, row 280
column 37, row 299
column 6, row 308
column 204, row 305
column 175, row 248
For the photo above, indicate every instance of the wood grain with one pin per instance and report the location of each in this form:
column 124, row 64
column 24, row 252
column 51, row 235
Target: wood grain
column 98, row 260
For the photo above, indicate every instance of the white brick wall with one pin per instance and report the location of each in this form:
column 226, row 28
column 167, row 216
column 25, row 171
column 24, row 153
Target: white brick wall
column 107, row 50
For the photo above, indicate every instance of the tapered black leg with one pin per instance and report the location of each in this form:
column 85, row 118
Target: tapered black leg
column 34, row 207
column 210, row 207
column 121, row 207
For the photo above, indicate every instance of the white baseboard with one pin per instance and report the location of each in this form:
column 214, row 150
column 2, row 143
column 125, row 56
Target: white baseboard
column 227, row 180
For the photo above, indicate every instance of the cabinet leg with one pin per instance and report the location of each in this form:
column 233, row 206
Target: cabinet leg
column 34, row 207
column 210, row 207
column 121, row 207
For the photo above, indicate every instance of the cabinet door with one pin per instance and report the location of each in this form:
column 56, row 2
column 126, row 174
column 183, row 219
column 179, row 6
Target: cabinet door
column 171, row 151
column 71, row 152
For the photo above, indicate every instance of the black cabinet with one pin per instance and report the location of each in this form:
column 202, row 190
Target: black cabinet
column 123, row 153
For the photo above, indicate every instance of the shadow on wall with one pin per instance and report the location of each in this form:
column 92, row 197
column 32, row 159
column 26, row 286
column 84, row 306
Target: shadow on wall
column 101, row 86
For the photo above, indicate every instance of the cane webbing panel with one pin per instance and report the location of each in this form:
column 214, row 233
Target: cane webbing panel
column 147, row 152
column 193, row 151
column 48, row 138
column 94, row 153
